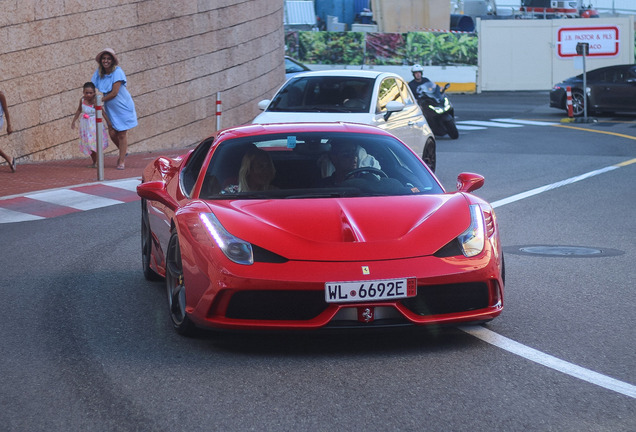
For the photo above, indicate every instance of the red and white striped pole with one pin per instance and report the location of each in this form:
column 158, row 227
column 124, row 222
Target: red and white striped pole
column 100, row 133
column 568, row 91
column 218, row 111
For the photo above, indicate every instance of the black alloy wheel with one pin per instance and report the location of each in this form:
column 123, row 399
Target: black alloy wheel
column 176, row 290
column 577, row 103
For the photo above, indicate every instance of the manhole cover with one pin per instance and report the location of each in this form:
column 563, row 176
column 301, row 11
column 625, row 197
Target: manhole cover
column 562, row 251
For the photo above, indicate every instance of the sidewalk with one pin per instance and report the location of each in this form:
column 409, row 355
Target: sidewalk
column 31, row 177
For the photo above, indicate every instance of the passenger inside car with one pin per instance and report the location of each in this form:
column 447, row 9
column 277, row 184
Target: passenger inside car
column 256, row 173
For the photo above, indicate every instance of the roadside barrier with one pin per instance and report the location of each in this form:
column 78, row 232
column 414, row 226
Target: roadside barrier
column 99, row 131
column 218, row 111
column 569, row 101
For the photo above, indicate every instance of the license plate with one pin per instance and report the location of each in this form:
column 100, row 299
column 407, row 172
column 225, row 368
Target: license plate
column 360, row 291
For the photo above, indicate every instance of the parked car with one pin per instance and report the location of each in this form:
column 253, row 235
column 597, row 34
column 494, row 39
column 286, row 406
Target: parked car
column 376, row 98
column 610, row 89
column 271, row 227
column 293, row 67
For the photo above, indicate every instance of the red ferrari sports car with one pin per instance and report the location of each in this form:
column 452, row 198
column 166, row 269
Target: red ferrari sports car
column 316, row 225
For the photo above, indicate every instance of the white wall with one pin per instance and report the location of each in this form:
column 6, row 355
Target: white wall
column 522, row 54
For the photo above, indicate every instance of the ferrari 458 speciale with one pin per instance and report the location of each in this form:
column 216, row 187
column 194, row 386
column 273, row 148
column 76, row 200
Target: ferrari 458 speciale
column 305, row 226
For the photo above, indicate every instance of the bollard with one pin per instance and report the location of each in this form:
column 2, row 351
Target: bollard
column 569, row 101
column 218, row 111
column 99, row 130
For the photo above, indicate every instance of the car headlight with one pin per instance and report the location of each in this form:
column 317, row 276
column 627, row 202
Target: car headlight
column 233, row 247
column 472, row 240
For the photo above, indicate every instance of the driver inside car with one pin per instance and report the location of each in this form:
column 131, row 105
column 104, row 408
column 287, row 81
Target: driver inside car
column 342, row 159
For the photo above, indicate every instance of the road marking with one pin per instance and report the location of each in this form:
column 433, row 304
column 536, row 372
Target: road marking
column 489, row 124
column 596, row 131
column 73, row 199
column 464, row 127
column 532, row 354
column 60, row 201
column 8, row 216
column 525, row 122
column 547, row 360
column 556, row 185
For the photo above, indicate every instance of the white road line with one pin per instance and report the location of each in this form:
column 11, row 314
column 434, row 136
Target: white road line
column 466, row 127
column 549, row 361
column 73, row 199
column 489, row 124
column 545, row 188
column 531, row 353
column 525, row 122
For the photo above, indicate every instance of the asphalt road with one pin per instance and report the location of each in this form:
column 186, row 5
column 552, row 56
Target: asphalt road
column 87, row 343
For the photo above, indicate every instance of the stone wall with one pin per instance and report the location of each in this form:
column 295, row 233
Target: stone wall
column 176, row 54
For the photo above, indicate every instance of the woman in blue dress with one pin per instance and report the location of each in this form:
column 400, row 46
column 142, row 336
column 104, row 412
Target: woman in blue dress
column 110, row 79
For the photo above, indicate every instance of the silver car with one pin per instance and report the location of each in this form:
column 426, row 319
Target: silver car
column 379, row 99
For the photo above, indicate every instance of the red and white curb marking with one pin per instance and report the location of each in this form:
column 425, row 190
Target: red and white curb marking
column 58, row 202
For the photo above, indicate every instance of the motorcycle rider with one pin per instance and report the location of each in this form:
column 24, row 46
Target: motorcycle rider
column 417, row 71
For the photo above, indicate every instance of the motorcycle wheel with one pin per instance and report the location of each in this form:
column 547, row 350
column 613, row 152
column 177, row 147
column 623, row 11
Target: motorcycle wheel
column 451, row 128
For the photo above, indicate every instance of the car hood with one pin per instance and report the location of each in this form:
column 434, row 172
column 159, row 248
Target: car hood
column 349, row 229
column 308, row 117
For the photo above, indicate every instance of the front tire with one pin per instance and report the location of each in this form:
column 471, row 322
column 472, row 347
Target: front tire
column 451, row 128
column 429, row 155
column 176, row 290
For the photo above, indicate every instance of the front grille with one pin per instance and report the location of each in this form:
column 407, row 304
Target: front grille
column 276, row 305
column 444, row 299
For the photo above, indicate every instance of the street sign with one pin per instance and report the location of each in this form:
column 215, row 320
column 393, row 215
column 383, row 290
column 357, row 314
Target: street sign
column 602, row 41
column 583, row 48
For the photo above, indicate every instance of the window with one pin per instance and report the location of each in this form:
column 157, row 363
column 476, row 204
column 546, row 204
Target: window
column 389, row 91
column 406, row 97
column 191, row 170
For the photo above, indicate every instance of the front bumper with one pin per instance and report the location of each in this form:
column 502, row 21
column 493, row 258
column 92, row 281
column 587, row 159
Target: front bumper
column 449, row 291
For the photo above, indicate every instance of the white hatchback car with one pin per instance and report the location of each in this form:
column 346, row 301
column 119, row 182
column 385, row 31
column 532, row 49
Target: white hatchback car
column 379, row 99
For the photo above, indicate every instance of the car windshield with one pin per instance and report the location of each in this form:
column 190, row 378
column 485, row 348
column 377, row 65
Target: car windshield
column 314, row 165
column 324, row 94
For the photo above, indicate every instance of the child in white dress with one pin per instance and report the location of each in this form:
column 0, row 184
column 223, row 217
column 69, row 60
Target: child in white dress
column 87, row 125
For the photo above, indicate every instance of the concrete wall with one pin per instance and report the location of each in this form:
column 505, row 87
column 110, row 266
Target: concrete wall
column 522, row 54
column 176, row 54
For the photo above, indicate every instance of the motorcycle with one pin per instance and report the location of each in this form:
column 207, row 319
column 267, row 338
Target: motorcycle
column 438, row 110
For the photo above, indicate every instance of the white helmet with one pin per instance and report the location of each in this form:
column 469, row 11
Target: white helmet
column 417, row 68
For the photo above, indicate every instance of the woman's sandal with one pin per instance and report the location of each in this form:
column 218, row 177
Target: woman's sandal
column 121, row 167
column 13, row 165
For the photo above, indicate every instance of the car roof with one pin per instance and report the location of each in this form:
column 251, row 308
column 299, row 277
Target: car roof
column 274, row 128
column 347, row 73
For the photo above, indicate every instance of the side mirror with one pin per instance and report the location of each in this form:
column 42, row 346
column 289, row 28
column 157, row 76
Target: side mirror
column 468, row 182
column 446, row 87
column 262, row 105
column 156, row 191
column 391, row 107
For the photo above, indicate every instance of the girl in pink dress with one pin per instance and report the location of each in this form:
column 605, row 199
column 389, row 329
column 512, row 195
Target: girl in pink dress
column 87, row 125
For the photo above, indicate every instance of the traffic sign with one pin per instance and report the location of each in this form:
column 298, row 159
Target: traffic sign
column 602, row 41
